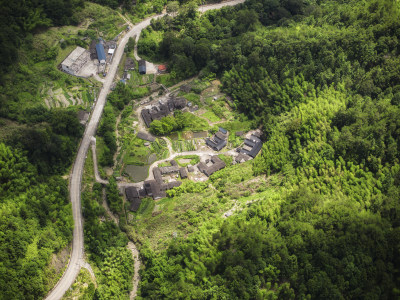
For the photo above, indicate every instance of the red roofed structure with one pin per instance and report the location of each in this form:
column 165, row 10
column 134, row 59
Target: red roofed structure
column 162, row 68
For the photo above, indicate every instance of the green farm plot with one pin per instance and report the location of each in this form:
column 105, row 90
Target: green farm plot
column 192, row 97
column 182, row 146
column 159, row 147
column 140, row 92
column 199, row 86
column 211, row 116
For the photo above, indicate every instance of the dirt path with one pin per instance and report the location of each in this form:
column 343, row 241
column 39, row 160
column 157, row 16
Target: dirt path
column 131, row 246
column 136, row 278
column 107, row 208
column 235, row 207
column 169, row 145
column 117, row 139
column 95, row 166
column 87, row 266
column 98, row 78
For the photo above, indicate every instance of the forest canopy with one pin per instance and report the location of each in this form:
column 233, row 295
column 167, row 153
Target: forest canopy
column 322, row 80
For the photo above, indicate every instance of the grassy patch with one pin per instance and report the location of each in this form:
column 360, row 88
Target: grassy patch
column 167, row 80
column 195, row 123
column 194, row 159
column 82, row 288
column 237, row 125
column 106, row 22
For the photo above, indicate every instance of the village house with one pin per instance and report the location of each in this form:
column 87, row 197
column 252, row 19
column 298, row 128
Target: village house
column 219, row 140
column 251, row 146
column 162, row 110
column 162, row 69
column 213, row 166
column 146, row 136
column 183, row 173
column 133, row 196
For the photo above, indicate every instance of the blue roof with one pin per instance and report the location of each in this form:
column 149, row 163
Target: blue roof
column 101, row 55
column 224, row 131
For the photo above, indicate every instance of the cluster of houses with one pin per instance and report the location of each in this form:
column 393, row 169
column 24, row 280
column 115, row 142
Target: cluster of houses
column 155, row 188
column 156, row 112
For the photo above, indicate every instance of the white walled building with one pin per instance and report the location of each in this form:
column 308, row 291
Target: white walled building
column 75, row 61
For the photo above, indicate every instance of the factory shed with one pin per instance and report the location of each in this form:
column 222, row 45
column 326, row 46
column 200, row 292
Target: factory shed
column 75, row 61
column 101, row 55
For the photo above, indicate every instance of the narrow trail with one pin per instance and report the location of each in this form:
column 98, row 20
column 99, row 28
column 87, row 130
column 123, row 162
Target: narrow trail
column 136, row 278
column 95, row 165
column 169, row 146
column 107, row 208
column 125, row 19
column 117, row 136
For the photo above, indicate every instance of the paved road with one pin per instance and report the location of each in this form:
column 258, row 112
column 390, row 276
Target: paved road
column 76, row 259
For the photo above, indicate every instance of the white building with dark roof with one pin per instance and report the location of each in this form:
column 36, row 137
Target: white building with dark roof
column 75, row 61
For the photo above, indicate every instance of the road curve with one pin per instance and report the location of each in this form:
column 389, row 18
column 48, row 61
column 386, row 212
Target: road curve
column 76, row 258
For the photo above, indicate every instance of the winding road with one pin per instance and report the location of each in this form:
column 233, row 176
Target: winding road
column 77, row 255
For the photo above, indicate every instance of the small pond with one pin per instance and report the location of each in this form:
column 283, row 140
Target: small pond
column 139, row 173
column 200, row 135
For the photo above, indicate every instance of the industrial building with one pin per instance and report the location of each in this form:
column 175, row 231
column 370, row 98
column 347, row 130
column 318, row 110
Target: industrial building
column 101, row 55
column 75, row 61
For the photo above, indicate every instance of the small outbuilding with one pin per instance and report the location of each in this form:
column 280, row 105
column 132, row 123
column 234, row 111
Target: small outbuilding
column 142, row 66
column 183, row 173
column 162, row 69
column 129, row 64
column 132, row 195
column 146, row 136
